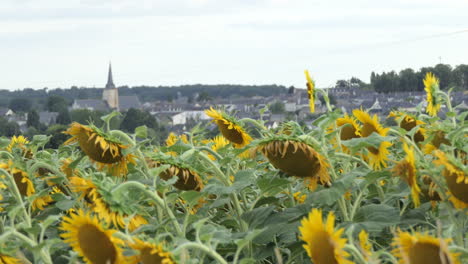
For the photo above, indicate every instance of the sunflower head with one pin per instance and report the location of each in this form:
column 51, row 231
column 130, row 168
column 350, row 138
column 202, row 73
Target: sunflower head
column 151, row 253
column 5, row 259
column 20, row 142
column 377, row 156
column 310, row 91
column 431, row 86
column 101, row 148
column 364, row 244
column 349, row 128
column 172, row 138
column 422, row 248
column 114, row 213
column 457, row 179
column 408, row 122
column 295, row 158
column 92, row 241
column 188, row 178
column 324, row 244
column 438, row 138
column 229, row 128
column 406, row 169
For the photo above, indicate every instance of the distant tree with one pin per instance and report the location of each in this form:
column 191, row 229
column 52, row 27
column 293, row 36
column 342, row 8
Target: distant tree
column 56, row 103
column 444, row 73
column 57, row 136
column 63, row 117
column 9, row 129
column 135, row 118
column 460, row 77
column 33, row 119
column 342, row 84
column 408, row 80
column 20, row 104
column 85, row 116
column 204, row 96
column 277, row 107
column 291, row 90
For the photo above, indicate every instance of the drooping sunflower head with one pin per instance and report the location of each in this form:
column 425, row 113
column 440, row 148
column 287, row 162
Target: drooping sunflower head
column 230, row 128
column 377, row 156
column 188, row 178
column 324, row 244
column 101, row 148
column 297, row 158
column 112, row 212
column 310, row 91
column 92, row 241
column 151, row 253
column 437, row 138
column 406, row 169
column 421, row 248
column 172, row 138
column 456, row 177
column 431, row 86
column 408, row 122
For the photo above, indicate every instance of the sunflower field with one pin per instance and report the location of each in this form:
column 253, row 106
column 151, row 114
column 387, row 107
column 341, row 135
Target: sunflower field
column 346, row 189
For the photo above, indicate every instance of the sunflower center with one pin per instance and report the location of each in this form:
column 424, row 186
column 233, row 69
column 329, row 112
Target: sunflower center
column 231, row 134
column 148, row 258
column 459, row 190
column 297, row 159
column 187, row 180
column 96, row 245
column 367, row 129
column 99, row 150
column 348, row 132
column 422, row 253
column 410, row 123
column 22, row 186
column 324, row 250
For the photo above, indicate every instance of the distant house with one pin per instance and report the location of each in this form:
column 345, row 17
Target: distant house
column 181, row 118
column 48, row 118
column 90, row 104
column 110, row 99
column 6, row 112
column 127, row 102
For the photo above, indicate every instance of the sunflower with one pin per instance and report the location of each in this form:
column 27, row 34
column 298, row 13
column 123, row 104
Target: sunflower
column 100, row 148
column 349, row 127
column 299, row 197
column 85, row 188
column 377, row 156
column 65, row 168
column 438, row 138
column 296, row 158
column 218, row 143
column 5, row 259
column 324, row 244
column 422, row 248
column 20, row 143
column 90, row 239
column 230, row 128
column 408, row 122
column 2, row 187
column 431, row 86
column 109, row 215
column 187, row 179
column 173, row 138
column 310, row 91
column 428, row 190
column 457, row 180
column 364, row 244
column 150, row 253
column 406, row 169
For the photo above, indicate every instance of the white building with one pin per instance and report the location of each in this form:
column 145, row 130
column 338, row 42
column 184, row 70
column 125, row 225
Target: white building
column 181, row 118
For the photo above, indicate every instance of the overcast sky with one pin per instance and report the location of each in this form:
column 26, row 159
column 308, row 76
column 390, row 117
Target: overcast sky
column 58, row 43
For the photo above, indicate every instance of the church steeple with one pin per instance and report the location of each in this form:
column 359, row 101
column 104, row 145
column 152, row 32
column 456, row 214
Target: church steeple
column 110, row 94
column 110, row 80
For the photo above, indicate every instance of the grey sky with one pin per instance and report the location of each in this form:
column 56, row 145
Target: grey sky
column 57, row 43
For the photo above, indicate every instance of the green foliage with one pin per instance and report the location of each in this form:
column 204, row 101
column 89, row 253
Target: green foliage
column 20, row 104
column 277, row 107
column 33, row 119
column 56, row 103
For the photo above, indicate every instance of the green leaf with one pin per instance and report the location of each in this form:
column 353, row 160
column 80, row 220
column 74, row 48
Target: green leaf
column 257, row 217
column 141, row 132
column 107, row 118
column 272, row 186
column 191, row 197
column 65, row 204
column 374, row 140
column 376, row 217
column 329, row 196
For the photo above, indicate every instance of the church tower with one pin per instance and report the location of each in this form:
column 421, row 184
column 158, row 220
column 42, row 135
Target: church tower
column 110, row 93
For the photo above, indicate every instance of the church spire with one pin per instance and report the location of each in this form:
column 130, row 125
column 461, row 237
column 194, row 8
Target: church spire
column 110, row 81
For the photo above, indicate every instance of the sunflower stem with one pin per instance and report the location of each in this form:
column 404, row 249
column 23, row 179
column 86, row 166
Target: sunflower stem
column 209, row 251
column 360, row 161
column 212, row 152
column 17, row 195
column 449, row 105
column 43, row 165
column 133, row 184
column 254, row 122
column 357, row 202
column 356, row 253
column 6, row 153
column 326, row 98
